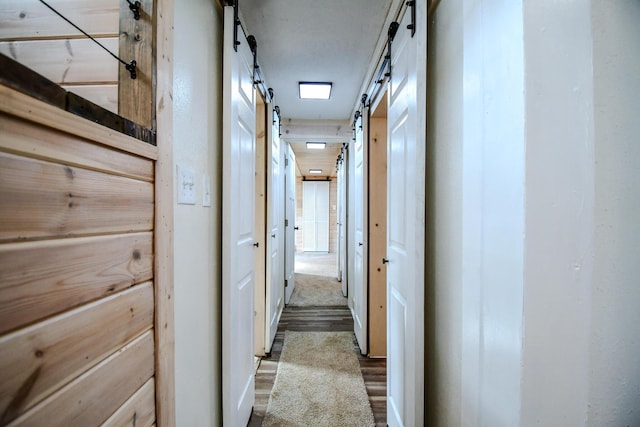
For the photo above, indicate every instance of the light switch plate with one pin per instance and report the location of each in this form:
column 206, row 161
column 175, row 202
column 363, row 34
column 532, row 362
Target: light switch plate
column 206, row 191
column 186, row 186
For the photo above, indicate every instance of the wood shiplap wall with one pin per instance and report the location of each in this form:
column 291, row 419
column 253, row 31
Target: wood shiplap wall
column 33, row 35
column 77, row 305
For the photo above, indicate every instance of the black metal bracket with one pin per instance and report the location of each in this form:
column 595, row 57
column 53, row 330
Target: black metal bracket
column 393, row 29
column 236, row 22
column 131, row 68
column 253, row 45
column 412, row 26
column 135, row 8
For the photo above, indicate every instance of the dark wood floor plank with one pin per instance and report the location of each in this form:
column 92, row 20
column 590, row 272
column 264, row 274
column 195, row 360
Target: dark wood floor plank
column 321, row 319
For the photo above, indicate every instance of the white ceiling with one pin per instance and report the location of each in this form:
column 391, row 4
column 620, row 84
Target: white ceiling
column 311, row 40
column 306, row 40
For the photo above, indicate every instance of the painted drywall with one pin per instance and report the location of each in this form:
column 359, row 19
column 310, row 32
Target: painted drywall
column 197, row 233
column 614, row 386
column 560, row 212
column 492, row 212
column 443, row 311
column 583, row 161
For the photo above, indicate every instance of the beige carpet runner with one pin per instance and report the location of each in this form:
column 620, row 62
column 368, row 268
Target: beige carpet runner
column 318, row 383
column 313, row 290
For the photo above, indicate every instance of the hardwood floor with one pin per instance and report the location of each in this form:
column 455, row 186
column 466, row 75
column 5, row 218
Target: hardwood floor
column 374, row 371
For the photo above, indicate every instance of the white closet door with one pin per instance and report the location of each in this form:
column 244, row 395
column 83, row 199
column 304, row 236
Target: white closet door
column 406, row 228
column 290, row 221
column 238, row 201
column 315, row 216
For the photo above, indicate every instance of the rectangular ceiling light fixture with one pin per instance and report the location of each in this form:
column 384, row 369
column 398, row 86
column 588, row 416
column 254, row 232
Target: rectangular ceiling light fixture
column 316, row 145
column 315, row 90
column 315, row 171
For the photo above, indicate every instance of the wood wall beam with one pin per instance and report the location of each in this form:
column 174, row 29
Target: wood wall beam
column 136, row 97
column 165, row 381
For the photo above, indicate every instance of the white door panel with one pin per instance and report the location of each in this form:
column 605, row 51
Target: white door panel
column 275, row 221
column 342, row 226
column 238, row 230
column 405, row 228
column 290, row 215
column 359, row 243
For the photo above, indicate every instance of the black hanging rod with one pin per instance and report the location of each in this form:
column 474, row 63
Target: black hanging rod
column 130, row 67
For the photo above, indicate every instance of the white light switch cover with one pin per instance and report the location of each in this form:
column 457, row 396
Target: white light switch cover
column 206, row 191
column 186, row 186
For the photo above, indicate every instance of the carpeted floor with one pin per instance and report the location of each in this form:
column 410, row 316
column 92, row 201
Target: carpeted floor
column 318, row 383
column 311, row 290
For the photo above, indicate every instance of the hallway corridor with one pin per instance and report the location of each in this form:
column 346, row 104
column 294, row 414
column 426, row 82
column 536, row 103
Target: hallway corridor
column 318, row 319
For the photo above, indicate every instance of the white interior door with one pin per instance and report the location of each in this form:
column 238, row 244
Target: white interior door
column 405, row 229
column 342, row 227
column 238, row 228
column 315, row 216
column 359, row 242
column 275, row 223
column 290, row 221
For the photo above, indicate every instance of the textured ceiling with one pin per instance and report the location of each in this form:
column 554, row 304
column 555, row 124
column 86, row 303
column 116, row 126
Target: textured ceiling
column 304, row 40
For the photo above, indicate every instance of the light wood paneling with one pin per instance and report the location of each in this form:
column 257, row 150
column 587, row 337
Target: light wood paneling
column 69, row 61
column 38, row 279
column 41, row 142
column 40, row 359
column 97, row 394
column 30, row 19
column 26, row 107
column 377, row 236
column 105, row 95
column 59, row 200
column 138, row 411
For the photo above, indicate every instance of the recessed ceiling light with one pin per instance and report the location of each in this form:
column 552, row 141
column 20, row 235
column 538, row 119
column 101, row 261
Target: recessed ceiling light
column 316, row 145
column 315, row 90
column 315, row 171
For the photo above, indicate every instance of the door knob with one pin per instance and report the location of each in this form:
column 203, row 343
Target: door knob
column 385, row 261
column 296, row 228
column 359, row 243
column 273, row 235
column 256, row 244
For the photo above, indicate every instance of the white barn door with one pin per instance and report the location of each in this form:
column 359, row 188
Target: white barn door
column 275, row 224
column 405, row 228
column 342, row 224
column 359, row 242
column 238, row 228
column 290, row 221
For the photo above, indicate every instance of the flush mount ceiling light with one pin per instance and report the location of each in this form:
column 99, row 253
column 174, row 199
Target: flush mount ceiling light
column 315, row 171
column 316, row 145
column 315, row 90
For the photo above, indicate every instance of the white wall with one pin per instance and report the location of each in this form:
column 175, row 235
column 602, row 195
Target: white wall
column 444, row 234
column 560, row 204
column 197, row 135
column 614, row 388
column 534, row 202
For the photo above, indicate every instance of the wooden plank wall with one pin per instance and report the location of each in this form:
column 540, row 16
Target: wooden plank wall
column 77, row 304
column 33, row 35
column 377, row 235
